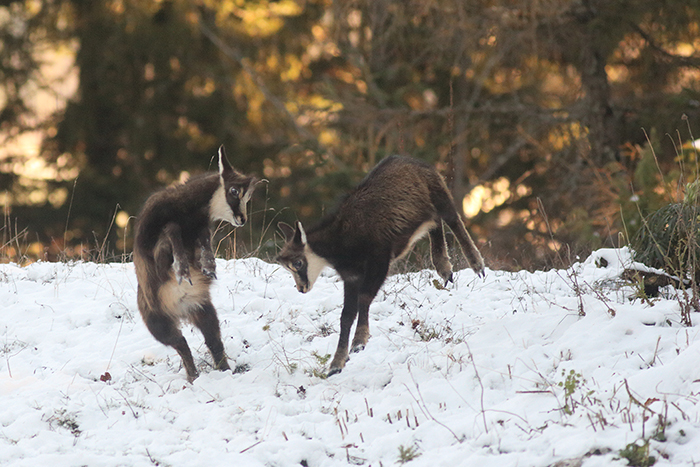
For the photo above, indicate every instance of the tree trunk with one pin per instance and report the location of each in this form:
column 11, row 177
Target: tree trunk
column 598, row 116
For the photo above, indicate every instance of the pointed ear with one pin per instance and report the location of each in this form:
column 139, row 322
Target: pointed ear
column 224, row 164
column 300, row 234
column 287, row 230
column 253, row 183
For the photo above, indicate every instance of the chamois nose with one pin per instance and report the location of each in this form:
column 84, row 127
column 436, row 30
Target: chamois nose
column 238, row 221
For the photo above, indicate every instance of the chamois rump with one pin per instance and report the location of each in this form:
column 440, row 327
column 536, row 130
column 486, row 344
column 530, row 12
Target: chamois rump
column 398, row 202
column 174, row 261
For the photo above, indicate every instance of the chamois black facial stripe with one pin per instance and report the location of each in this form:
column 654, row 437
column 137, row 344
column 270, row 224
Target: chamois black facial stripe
column 303, row 274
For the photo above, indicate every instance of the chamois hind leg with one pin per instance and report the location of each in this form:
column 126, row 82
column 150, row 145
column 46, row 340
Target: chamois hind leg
column 208, row 323
column 438, row 253
column 448, row 212
column 165, row 330
column 347, row 317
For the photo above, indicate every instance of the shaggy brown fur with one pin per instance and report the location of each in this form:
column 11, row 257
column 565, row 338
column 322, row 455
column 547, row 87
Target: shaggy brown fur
column 174, row 260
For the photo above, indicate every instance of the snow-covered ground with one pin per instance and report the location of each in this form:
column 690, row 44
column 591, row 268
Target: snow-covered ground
column 502, row 371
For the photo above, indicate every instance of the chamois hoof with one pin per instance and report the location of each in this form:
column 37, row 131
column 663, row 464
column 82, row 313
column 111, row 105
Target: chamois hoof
column 449, row 279
column 210, row 273
column 182, row 271
column 333, row 371
column 223, row 366
column 182, row 276
column 357, row 348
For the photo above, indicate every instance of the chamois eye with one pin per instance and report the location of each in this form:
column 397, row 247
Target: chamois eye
column 233, row 190
column 297, row 264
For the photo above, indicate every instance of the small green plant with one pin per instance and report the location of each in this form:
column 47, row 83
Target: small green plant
column 321, row 359
column 407, row 454
column 636, row 280
column 638, row 455
column 427, row 333
column 319, row 369
column 572, row 384
column 65, row 420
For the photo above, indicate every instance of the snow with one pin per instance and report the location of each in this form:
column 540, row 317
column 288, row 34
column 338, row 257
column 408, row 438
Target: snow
column 563, row 367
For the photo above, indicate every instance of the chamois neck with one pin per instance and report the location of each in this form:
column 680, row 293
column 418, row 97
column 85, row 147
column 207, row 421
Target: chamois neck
column 194, row 197
column 322, row 238
column 201, row 189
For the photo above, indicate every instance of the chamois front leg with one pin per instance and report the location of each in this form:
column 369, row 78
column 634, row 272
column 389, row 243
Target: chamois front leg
column 471, row 252
column 362, row 330
column 438, row 253
column 181, row 263
column 375, row 274
column 446, row 209
column 347, row 317
column 206, row 257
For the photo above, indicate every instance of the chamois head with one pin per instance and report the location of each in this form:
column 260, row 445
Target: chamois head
column 230, row 199
column 298, row 258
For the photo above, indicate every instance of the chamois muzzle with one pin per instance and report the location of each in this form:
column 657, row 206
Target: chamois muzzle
column 239, row 219
column 303, row 287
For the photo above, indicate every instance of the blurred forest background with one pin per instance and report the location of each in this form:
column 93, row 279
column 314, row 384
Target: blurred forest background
column 559, row 123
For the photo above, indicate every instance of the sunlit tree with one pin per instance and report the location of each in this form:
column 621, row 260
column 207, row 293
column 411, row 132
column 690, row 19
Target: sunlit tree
column 545, row 117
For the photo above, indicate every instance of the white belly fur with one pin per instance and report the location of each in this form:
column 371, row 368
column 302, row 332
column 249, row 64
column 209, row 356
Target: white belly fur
column 178, row 300
column 420, row 232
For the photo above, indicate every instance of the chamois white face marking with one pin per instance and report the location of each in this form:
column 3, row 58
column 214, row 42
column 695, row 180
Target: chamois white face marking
column 219, row 209
column 314, row 265
column 243, row 206
column 298, row 258
column 230, row 199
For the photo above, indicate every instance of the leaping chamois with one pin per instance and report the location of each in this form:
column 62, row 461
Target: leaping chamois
column 174, row 260
column 396, row 204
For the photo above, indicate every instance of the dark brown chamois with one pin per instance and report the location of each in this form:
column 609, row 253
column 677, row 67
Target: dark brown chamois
column 397, row 203
column 174, row 260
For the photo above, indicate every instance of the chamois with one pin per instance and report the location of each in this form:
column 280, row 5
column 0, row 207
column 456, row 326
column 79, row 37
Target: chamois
column 398, row 202
column 174, row 260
